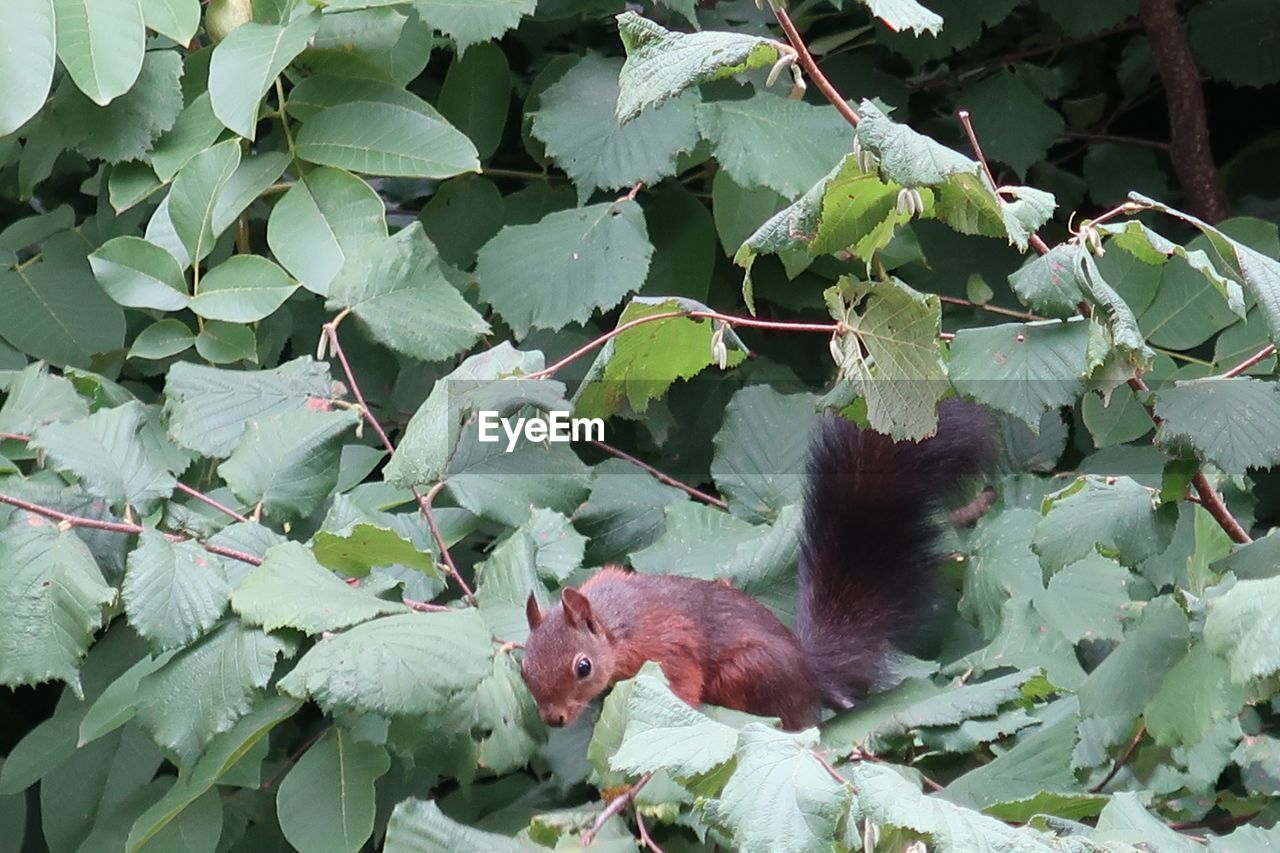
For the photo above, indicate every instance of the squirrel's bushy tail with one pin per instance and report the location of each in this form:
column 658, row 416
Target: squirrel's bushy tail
column 869, row 548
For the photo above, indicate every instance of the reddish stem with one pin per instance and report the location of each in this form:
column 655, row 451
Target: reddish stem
column 1262, row 354
column 811, row 68
column 750, row 322
column 424, row 502
column 205, row 499
column 659, row 475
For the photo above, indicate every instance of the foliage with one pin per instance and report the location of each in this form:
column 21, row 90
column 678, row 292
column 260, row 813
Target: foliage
column 264, row 264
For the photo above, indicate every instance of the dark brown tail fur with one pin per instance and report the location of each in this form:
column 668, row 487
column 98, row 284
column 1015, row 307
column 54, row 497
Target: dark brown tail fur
column 869, row 550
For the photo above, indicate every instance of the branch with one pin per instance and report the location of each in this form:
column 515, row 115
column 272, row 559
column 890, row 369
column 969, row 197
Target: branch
column 1035, row 240
column 666, row 478
column 805, row 59
column 1122, row 760
column 205, row 499
column 1189, row 146
column 1262, row 354
column 1210, row 499
column 616, row 805
column 750, row 322
column 120, row 527
column 330, row 333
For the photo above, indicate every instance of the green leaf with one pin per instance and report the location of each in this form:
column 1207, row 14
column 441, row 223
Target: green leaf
column 386, row 139
column 664, row 733
column 209, row 408
column 225, row 343
column 101, row 43
column 292, row 590
column 242, row 289
column 1086, row 600
column 106, row 454
column 207, row 687
column 780, row 796
column 469, row 22
column 561, row 269
column 194, row 196
column 1131, row 676
column 138, row 274
column 1192, row 412
column 255, row 174
column 288, row 461
column 1013, row 122
column 1114, row 512
column 223, row 755
column 576, row 122
column 53, row 599
column 1196, row 694
column 887, row 799
column 55, row 310
column 162, row 339
column 901, row 15
column 177, row 19
column 127, row 128
column 904, row 379
column 1040, row 761
column 1125, row 821
column 326, row 802
column 415, row 663
column 321, row 222
column 661, row 64
column 1024, row 369
column 397, row 290
column 859, row 213
column 545, row 546
column 370, row 42
column 173, row 591
column 760, row 451
column 247, row 62
column 773, row 141
column 314, row 95
column 434, row 432
column 1242, row 626
column 641, row 364
column 505, row 723
column 505, row 486
column 1222, row 34
column 1259, row 273
column 464, row 214
column 1118, row 421
column 195, row 129
column 364, row 546
column 36, row 398
column 418, row 826
column 476, row 96
column 27, row 60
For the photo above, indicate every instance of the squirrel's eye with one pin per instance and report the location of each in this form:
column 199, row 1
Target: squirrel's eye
column 582, row 667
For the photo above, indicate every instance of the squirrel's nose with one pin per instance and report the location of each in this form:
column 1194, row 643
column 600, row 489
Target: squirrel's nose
column 553, row 718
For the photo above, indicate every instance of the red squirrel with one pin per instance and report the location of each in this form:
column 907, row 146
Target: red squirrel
column 868, row 553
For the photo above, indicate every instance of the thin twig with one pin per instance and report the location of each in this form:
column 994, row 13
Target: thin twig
column 750, row 322
column 1119, row 140
column 121, row 527
column 425, row 607
column 994, row 309
column 1035, row 240
column 805, row 59
column 1261, row 355
column 1122, row 760
column 14, row 436
column 293, row 759
column 616, row 805
column 1209, row 498
column 330, row 330
column 659, row 475
column 205, row 499
column 645, row 839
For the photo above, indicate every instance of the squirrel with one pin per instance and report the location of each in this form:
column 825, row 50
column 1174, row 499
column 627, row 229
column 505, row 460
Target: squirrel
column 868, row 554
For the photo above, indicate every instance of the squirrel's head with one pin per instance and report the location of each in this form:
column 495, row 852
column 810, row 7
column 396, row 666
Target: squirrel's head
column 568, row 658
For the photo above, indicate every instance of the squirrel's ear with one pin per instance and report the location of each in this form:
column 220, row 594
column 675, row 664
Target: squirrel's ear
column 577, row 609
column 532, row 613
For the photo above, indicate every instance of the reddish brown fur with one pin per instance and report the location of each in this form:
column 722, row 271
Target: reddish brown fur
column 714, row 643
